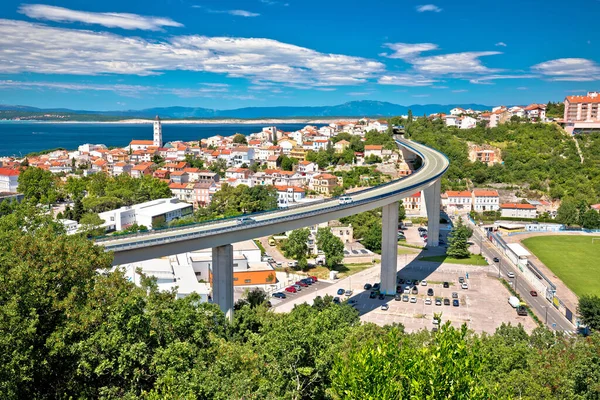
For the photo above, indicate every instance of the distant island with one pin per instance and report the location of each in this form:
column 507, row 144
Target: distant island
column 316, row 114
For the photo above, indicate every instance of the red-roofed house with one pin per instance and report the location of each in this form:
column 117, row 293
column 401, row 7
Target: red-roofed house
column 486, row 200
column 323, row 183
column 9, row 180
column 582, row 113
column 373, row 150
column 179, row 177
column 518, row 210
column 289, row 194
column 180, row 166
column 415, row 204
column 457, row 201
column 140, row 144
column 141, row 169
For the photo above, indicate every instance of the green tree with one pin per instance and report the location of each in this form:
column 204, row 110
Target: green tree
column 36, row 183
column 372, row 236
column 401, row 211
column 590, row 219
column 568, row 212
column 240, row 139
column 91, row 224
column 458, row 246
column 194, row 162
column 78, row 210
column 296, row 246
column 589, row 311
column 332, row 247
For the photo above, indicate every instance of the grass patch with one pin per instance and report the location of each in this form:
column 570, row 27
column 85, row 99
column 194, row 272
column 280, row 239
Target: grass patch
column 344, row 270
column 573, row 259
column 475, row 259
column 411, row 246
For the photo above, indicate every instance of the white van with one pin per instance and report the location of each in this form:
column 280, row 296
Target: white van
column 245, row 220
column 345, row 200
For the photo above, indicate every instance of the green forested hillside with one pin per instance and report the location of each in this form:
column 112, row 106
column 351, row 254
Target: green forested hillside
column 542, row 156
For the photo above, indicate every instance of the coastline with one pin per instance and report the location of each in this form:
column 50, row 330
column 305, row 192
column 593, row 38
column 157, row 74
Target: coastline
column 263, row 121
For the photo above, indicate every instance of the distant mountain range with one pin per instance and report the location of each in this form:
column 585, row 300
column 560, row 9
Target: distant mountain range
column 364, row 108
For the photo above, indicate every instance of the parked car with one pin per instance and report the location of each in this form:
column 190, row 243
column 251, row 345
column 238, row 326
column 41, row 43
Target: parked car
column 245, row 220
column 409, row 281
column 399, row 289
column 279, row 295
column 438, row 301
column 413, row 299
column 290, row 289
column 407, row 290
column 455, row 303
column 309, row 280
column 496, row 259
column 376, row 286
column 461, row 279
column 340, row 292
column 381, row 296
column 397, row 297
column 348, row 293
column 345, row 200
column 454, row 295
column 372, row 295
column 367, row 286
column 522, row 310
column 298, row 287
column 301, row 283
column 430, row 292
column 401, row 281
column 416, row 282
column 415, row 290
column 428, row 301
column 464, row 285
column 292, row 264
column 314, row 278
column 446, row 285
column 405, row 298
column 336, row 300
column 510, row 274
column 423, row 283
column 385, row 307
column 533, row 293
column 446, row 301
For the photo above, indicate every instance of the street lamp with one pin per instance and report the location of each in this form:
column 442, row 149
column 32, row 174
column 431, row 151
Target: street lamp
column 546, row 323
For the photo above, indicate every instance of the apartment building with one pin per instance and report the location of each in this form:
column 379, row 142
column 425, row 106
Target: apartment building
column 582, row 113
column 486, row 200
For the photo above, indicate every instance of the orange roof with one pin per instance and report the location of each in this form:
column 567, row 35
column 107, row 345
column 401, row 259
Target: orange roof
column 534, row 107
column 178, row 185
column 373, row 147
column 8, row 172
column 484, row 193
column 141, row 167
column 285, row 189
column 178, row 173
column 142, row 142
column 120, row 164
column 518, row 206
column 454, row 193
column 584, row 99
column 191, row 170
column 325, row 176
column 418, row 194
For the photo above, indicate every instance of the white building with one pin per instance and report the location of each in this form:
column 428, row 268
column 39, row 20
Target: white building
column 517, row 210
column 287, row 195
column 158, row 142
column 457, row 201
column 467, row 122
column 155, row 211
column 457, row 111
column 486, row 200
column 9, row 180
column 70, row 225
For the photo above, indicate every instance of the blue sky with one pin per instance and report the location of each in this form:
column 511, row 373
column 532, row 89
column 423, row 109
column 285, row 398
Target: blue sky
column 225, row 54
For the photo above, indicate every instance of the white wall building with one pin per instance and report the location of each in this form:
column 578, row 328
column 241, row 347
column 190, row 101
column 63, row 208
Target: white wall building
column 9, row 180
column 517, row 210
column 161, row 210
column 486, row 200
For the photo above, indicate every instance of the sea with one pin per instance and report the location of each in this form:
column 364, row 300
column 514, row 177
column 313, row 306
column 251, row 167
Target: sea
column 18, row 138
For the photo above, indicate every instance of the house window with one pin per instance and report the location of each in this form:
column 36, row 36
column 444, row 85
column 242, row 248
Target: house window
column 247, row 280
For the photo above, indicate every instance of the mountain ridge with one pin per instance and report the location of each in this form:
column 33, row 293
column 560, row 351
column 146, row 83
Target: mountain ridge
column 361, row 108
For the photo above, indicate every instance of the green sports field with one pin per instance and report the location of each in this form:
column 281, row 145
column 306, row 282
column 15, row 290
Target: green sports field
column 574, row 259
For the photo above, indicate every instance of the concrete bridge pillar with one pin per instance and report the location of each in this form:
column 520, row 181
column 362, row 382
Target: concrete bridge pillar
column 432, row 200
column 222, row 278
column 389, row 248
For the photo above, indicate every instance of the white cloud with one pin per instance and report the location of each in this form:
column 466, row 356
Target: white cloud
column 421, row 95
column 569, row 69
column 460, row 91
column 407, row 51
column 501, row 44
column 406, row 80
column 485, row 80
column 273, row 2
column 439, row 87
column 359, row 93
column 454, row 63
column 110, row 20
column 135, row 91
column 24, row 47
column 428, row 7
column 237, row 13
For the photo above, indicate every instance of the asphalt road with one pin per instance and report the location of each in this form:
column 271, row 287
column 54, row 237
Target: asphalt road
column 542, row 307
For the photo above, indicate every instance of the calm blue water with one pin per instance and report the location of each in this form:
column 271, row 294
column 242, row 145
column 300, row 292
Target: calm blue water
column 26, row 137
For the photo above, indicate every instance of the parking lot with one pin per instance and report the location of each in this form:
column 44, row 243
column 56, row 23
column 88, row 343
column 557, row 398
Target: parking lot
column 483, row 306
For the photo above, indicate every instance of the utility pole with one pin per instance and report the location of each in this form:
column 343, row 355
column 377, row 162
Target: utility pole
column 546, row 323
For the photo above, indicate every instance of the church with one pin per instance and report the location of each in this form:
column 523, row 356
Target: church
column 157, row 138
